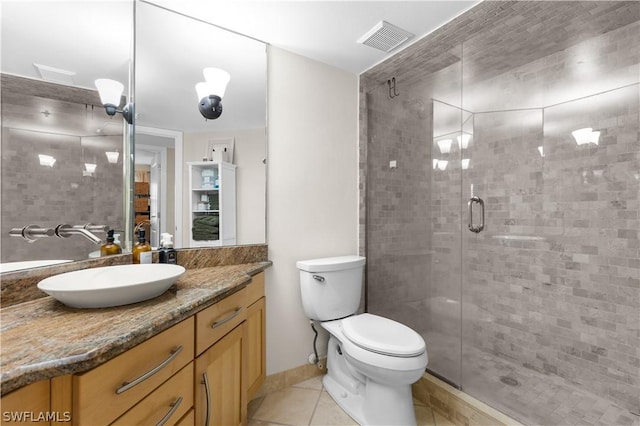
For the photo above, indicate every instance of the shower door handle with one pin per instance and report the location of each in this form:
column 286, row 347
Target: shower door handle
column 472, row 227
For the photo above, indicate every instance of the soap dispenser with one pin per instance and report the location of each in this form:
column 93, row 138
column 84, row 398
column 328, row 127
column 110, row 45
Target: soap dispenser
column 142, row 249
column 167, row 253
column 110, row 247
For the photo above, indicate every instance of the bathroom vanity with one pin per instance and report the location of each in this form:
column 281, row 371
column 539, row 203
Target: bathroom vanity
column 194, row 355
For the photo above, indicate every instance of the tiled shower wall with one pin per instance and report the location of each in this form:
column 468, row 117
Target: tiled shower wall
column 553, row 282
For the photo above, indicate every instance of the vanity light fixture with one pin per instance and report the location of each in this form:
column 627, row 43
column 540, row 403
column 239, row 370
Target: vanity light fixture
column 46, row 160
column 442, row 164
column 541, row 150
column 445, row 145
column 110, row 94
column 465, row 163
column 585, row 136
column 435, row 163
column 112, row 156
column 211, row 91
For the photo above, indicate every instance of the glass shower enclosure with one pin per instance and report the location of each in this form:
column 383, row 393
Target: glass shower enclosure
column 507, row 230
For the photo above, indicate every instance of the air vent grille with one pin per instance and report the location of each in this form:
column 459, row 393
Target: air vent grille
column 385, row 36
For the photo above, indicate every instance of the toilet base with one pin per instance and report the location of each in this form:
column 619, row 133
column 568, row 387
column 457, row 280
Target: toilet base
column 381, row 405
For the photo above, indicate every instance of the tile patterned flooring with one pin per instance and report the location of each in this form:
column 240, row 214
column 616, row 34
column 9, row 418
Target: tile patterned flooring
column 307, row 403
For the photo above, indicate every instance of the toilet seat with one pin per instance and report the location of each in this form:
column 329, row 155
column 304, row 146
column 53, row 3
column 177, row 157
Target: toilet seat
column 383, row 336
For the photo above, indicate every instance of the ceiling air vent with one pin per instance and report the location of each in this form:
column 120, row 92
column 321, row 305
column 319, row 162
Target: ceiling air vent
column 384, row 36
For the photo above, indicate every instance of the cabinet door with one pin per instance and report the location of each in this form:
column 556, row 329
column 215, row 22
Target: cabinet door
column 28, row 405
column 256, row 346
column 220, row 395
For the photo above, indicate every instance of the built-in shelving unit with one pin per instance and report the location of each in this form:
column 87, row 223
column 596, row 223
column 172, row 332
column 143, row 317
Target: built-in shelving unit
column 212, row 203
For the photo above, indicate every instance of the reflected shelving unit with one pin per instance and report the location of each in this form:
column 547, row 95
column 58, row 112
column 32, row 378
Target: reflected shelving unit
column 212, row 204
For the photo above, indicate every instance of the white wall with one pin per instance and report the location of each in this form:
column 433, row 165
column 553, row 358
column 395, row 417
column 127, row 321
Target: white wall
column 312, row 188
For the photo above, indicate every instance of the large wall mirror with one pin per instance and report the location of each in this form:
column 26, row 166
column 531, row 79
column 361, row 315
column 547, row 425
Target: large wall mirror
column 53, row 123
column 171, row 135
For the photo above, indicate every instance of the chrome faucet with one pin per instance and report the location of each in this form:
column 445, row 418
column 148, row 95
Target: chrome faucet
column 65, row 231
column 32, row 233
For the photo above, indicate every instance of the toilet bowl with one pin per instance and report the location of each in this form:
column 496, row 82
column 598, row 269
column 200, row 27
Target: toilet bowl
column 371, row 361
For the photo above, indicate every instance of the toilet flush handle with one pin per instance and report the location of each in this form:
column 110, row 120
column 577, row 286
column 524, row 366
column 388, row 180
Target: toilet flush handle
column 318, row 278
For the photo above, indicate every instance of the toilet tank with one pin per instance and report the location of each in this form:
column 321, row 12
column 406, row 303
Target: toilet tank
column 331, row 287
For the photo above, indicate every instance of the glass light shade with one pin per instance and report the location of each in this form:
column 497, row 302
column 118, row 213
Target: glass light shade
column 46, row 160
column 110, row 91
column 541, row 150
column 445, row 145
column 442, row 164
column 435, row 163
column 203, row 90
column 463, row 140
column 217, row 81
column 465, row 163
column 112, row 156
column 585, row 136
column 90, row 167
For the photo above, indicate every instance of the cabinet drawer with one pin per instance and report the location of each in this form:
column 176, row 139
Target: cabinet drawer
column 188, row 420
column 255, row 289
column 165, row 405
column 219, row 319
column 100, row 395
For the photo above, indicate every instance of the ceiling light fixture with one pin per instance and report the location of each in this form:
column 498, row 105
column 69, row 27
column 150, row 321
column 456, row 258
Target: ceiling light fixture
column 112, row 156
column 585, row 136
column 110, row 94
column 46, row 160
column 463, row 140
column 211, row 91
column 445, row 145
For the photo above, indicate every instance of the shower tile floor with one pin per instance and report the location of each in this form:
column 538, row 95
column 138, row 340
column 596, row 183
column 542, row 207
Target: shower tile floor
column 533, row 398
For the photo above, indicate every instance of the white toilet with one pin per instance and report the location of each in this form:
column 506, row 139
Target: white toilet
column 372, row 361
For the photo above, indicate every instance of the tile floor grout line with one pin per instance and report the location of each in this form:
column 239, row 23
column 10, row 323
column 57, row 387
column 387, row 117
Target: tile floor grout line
column 315, row 407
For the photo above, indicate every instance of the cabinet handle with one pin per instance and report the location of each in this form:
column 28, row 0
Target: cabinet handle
column 174, row 406
column 227, row 318
column 128, row 385
column 207, row 392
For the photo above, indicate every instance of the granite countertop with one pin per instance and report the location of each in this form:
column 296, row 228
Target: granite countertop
column 43, row 338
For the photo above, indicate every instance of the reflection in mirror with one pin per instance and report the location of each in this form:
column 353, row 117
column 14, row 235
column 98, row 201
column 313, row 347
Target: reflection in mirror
column 55, row 132
column 172, row 50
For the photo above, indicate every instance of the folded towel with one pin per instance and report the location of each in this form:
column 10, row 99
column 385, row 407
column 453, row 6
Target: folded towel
column 207, row 220
column 205, row 236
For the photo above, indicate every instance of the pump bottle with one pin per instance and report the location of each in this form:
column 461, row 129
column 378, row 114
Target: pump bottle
column 142, row 249
column 167, row 253
column 110, row 247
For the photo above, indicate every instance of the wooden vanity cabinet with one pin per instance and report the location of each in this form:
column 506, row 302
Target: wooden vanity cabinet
column 232, row 367
column 256, row 345
column 103, row 394
column 208, row 365
column 24, row 406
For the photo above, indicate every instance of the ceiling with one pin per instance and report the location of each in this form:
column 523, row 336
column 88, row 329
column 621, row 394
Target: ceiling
column 71, row 36
column 326, row 31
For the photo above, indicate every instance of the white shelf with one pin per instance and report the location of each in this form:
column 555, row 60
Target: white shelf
column 223, row 176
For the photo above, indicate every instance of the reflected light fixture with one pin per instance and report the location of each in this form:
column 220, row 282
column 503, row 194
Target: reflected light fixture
column 585, row 136
column 442, row 164
column 541, row 150
column 211, row 91
column 445, row 145
column 463, row 140
column 46, row 160
column 110, row 93
column 90, row 167
column 465, row 163
column 435, row 163
column 112, row 156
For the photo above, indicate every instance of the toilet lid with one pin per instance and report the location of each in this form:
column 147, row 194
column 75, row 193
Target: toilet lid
column 382, row 335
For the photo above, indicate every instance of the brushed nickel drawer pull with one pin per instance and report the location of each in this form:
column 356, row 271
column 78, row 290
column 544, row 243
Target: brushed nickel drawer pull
column 207, row 391
column 174, row 406
column 128, row 385
column 227, row 318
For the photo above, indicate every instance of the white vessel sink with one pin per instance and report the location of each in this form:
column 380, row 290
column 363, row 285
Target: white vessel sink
column 111, row 285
